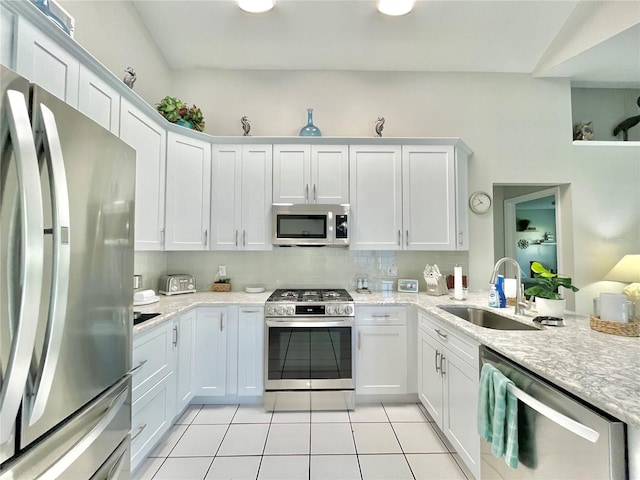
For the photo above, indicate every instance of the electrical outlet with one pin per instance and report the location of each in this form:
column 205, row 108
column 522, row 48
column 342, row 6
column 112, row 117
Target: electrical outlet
column 392, row 271
column 222, row 271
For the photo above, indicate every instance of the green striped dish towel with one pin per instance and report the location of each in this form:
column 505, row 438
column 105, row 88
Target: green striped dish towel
column 498, row 414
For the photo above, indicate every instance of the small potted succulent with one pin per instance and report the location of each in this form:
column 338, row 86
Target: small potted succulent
column 549, row 301
column 178, row 112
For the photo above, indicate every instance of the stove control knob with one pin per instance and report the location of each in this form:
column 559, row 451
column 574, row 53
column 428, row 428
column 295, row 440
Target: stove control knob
column 348, row 310
column 291, row 310
column 330, row 310
column 280, row 310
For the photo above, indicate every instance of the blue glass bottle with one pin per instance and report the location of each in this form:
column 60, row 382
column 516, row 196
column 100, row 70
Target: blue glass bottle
column 310, row 130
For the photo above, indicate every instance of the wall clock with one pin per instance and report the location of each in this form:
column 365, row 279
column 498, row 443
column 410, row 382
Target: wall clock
column 480, row 202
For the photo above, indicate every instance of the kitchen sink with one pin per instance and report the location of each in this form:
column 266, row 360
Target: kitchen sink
column 485, row 318
column 143, row 317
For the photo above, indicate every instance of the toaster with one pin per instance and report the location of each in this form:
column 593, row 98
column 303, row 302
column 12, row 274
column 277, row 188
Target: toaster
column 177, row 283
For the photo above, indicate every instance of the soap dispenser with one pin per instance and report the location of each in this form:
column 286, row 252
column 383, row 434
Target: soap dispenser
column 494, row 301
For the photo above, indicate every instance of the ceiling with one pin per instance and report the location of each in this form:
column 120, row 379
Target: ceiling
column 513, row 36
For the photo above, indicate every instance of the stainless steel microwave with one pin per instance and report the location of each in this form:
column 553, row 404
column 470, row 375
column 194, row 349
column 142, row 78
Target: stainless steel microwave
column 310, row 225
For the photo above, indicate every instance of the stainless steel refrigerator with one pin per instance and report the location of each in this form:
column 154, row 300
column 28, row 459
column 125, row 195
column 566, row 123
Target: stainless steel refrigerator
column 66, row 282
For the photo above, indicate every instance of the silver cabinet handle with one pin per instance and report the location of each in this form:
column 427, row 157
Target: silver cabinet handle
column 315, row 196
column 249, row 311
column 306, row 193
column 575, row 427
column 28, row 299
column 48, row 142
column 221, row 317
column 406, row 239
column 136, row 368
column 443, row 335
column 175, row 336
column 236, row 238
column 399, row 238
column 461, row 238
column 206, row 237
column 359, row 340
column 380, row 315
column 140, row 430
column 436, row 361
column 244, row 238
column 85, row 443
column 442, row 359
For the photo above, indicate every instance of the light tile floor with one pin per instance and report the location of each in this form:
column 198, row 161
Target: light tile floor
column 380, row 441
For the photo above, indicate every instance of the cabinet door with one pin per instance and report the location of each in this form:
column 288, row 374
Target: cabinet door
column 226, row 182
column 461, row 398
column 210, row 351
column 185, row 355
column 41, row 60
column 256, row 197
column 250, row 351
column 329, row 174
column 429, row 197
column 429, row 379
column 376, row 197
column 188, row 193
column 150, row 141
column 381, row 359
column 98, row 100
column 153, row 355
column 462, row 193
column 291, row 174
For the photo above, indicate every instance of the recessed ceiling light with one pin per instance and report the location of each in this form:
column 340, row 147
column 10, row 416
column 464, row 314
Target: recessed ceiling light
column 255, row 6
column 395, row 7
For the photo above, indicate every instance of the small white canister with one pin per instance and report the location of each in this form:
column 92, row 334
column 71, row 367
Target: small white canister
column 615, row 307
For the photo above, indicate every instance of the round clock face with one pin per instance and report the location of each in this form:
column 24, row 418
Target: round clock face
column 480, row 202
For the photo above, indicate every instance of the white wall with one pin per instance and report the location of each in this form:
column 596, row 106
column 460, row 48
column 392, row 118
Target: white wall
column 519, row 128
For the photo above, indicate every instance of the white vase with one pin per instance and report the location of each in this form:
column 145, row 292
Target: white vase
column 550, row 308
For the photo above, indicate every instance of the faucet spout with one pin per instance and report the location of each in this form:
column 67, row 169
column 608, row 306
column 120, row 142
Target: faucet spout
column 516, row 265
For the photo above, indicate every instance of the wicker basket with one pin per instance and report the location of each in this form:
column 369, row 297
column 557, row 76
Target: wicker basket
column 221, row 287
column 630, row 329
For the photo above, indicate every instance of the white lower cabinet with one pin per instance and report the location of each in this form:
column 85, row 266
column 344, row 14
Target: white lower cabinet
column 250, row 351
column 448, row 381
column 381, row 350
column 185, row 333
column 153, row 389
column 210, row 363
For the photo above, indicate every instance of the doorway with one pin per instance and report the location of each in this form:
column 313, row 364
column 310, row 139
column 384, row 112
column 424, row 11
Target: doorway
column 532, row 231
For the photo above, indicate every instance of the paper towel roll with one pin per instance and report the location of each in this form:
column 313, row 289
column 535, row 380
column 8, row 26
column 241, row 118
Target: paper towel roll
column 457, row 283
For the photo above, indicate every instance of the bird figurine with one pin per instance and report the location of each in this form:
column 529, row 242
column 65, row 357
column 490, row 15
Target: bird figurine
column 379, row 126
column 626, row 124
column 246, row 126
column 130, row 78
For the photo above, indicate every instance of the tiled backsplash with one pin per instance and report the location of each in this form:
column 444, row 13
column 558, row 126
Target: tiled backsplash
column 294, row 267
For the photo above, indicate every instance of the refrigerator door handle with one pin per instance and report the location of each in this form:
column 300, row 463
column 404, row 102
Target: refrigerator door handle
column 49, row 142
column 32, row 227
column 79, row 448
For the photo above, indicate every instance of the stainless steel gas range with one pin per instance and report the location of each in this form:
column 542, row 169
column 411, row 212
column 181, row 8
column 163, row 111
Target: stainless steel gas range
column 308, row 350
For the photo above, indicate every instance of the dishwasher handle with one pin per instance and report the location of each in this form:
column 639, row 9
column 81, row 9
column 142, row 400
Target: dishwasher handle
column 555, row 416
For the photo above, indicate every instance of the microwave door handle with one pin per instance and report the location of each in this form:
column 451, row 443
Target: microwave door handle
column 32, row 227
column 49, row 141
column 555, row 416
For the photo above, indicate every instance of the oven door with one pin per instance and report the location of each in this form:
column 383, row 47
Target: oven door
column 309, row 354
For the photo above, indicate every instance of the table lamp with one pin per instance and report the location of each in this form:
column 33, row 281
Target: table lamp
column 628, row 270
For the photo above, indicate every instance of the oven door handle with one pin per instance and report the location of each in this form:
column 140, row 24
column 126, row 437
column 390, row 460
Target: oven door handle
column 310, row 324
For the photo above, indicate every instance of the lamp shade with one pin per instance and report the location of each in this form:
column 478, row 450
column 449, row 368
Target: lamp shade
column 626, row 270
column 255, row 6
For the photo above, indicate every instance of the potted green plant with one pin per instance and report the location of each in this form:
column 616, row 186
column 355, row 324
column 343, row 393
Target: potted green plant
column 178, row 112
column 549, row 301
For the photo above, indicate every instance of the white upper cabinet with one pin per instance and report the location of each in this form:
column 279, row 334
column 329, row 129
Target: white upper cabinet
column 376, row 197
column 241, row 191
column 43, row 61
column 188, row 193
column 98, row 100
column 429, row 198
column 311, row 174
column 150, row 141
column 410, row 197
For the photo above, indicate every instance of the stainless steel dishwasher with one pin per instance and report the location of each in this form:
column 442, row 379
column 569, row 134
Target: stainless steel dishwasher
column 559, row 436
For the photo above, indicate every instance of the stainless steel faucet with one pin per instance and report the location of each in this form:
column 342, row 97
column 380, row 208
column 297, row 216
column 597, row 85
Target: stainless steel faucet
column 519, row 293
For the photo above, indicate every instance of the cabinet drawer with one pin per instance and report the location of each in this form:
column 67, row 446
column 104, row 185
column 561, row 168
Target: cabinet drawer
column 150, row 419
column 458, row 343
column 152, row 352
column 381, row 316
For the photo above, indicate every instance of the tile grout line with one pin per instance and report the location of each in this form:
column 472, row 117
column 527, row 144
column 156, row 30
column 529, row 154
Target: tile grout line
column 399, row 443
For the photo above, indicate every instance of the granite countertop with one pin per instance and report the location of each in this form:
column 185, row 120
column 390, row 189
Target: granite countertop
column 602, row 369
